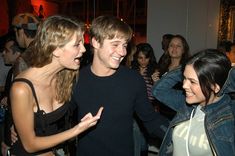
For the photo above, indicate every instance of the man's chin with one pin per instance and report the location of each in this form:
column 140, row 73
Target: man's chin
column 114, row 68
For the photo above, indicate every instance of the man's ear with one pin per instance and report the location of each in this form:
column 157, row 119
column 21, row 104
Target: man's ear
column 95, row 43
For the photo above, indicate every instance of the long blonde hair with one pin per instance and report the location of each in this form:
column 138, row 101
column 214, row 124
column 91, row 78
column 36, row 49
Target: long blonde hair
column 55, row 31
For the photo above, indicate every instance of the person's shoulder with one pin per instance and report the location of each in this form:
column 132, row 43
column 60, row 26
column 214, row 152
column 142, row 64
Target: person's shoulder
column 130, row 74
column 20, row 88
column 130, row 71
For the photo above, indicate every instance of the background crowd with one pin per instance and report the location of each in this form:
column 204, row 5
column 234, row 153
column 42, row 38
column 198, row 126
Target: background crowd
column 112, row 96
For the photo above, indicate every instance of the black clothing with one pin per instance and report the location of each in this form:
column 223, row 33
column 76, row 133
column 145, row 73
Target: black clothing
column 120, row 94
column 44, row 124
column 8, row 116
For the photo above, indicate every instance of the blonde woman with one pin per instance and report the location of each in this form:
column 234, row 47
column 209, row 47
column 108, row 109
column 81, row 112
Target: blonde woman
column 39, row 94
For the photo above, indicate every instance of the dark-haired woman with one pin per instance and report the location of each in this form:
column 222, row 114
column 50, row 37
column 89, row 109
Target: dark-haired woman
column 204, row 124
column 177, row 52
column 145, row 63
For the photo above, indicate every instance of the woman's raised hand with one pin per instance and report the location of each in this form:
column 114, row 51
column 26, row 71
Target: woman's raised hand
column 88, row 121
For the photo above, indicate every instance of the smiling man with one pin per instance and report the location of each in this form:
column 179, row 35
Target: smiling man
column 120, row 90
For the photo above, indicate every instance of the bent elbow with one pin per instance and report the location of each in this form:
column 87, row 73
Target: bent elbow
column 29, row 147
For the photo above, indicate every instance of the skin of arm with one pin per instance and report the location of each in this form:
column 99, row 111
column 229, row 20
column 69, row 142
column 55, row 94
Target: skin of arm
column 23, row 116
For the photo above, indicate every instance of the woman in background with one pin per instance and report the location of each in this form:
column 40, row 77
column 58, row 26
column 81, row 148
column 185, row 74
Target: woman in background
column 177, row 53
column 145, row 63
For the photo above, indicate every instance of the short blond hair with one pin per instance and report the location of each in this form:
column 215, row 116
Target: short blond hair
column 108, row 27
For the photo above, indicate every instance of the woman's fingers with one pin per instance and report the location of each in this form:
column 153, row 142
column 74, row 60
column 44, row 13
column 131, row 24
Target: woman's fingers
column 89, row 115
column 99, row 112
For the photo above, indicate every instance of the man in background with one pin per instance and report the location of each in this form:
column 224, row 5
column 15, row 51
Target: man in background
column 10, row 54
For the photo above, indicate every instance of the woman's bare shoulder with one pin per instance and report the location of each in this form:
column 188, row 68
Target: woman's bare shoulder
column 20, row 88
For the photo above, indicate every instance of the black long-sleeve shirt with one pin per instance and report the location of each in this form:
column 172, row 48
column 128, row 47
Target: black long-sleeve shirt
column 120, row 94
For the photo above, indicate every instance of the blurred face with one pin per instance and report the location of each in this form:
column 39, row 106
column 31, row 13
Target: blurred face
column 192, row 87
column 176, row 48
column 109, row 55
column 9, row 56
column 142, row 60
column 72, row 53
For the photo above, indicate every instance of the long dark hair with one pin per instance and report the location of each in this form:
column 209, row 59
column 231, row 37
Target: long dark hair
column 212, row 67
column 147, row 50
column 166, row 59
